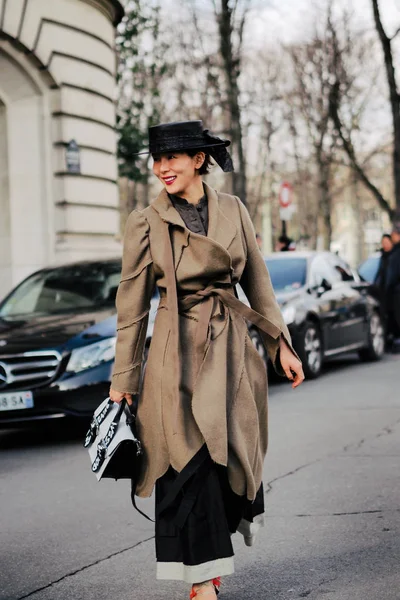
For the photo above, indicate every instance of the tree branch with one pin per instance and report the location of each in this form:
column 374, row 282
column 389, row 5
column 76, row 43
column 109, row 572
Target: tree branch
column 349, row 149
column 394, row 98
column 396, row 33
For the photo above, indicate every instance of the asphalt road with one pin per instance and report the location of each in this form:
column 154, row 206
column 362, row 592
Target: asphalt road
column 332, row 497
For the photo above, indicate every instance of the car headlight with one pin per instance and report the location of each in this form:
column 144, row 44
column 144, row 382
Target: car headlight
column 92, row 355
column 289, row 314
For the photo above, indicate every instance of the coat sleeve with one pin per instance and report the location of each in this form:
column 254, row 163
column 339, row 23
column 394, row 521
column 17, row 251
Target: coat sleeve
column 256, row 284
column 133, row 304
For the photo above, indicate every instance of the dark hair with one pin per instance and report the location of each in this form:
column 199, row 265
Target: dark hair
column 207, row 164
column 284, row 239
column 387, row 235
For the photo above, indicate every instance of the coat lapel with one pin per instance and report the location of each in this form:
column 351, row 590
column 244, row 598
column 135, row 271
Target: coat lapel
column 163, row 206
column 221, row 231
column 220, row 228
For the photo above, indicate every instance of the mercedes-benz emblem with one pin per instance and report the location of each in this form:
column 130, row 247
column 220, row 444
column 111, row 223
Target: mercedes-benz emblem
column 3, row 375
column 3, row 343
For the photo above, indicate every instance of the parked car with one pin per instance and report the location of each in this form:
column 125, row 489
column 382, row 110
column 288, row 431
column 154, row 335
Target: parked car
column 57, row 341
column 327, row 307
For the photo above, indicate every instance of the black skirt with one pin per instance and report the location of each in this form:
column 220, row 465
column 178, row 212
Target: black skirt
column 196, row 513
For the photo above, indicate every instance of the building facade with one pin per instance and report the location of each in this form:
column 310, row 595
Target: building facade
column 58, row 168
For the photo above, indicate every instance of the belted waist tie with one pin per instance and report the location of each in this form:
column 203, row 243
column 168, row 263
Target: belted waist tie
column 207, row 297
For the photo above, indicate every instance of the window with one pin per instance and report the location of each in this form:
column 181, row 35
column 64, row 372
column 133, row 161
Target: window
column 287, row 273
column 64, row 289
column 369, row 268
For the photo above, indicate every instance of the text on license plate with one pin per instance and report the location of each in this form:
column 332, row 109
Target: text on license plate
column 16, row 400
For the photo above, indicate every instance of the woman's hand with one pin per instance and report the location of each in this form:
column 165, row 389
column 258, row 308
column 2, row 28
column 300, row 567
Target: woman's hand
column 290, row 364
column 119, row 396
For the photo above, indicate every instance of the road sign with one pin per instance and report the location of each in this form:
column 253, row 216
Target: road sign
column 73, row 157
column 285, row 195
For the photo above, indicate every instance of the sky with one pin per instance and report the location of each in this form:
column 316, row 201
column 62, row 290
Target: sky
column 288, row 20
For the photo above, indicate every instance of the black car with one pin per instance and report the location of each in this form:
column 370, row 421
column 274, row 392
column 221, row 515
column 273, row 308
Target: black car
column 327, row 307
column 57, row 342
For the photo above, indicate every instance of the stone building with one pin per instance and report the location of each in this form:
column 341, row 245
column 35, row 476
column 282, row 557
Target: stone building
column 58, row 200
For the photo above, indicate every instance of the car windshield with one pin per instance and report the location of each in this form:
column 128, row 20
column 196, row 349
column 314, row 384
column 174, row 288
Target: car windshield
column 369, row 268
column 287, row 273
column 64, row 289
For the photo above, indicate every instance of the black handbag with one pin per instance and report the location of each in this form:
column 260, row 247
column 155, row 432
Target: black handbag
column 114, row 447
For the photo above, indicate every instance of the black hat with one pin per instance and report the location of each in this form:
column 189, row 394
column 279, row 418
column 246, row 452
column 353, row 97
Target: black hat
column 188, row 135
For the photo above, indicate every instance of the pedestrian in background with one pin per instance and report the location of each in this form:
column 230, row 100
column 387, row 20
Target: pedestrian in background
column 381, row 276
column 392, row 289
column 202, row 412
column 283, row 244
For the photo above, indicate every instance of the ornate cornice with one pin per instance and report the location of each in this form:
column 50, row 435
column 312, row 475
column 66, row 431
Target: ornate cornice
column 113, row 9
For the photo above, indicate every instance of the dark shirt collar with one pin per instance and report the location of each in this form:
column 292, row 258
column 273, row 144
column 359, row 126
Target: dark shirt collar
column 185, row 203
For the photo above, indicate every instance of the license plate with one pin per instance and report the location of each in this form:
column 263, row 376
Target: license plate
column 16, row 400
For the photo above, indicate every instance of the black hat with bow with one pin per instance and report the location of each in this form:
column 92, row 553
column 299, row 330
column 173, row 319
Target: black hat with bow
column 189, row 135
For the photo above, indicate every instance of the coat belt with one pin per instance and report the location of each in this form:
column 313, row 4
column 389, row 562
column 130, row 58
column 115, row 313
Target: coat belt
column 207, row 298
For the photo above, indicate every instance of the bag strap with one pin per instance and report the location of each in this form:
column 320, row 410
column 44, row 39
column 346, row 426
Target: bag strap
column 95, row 424
column 131, row 421
column 133, row 490
column 108, row 438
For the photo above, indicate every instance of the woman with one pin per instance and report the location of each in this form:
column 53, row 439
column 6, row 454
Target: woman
column 202, row 412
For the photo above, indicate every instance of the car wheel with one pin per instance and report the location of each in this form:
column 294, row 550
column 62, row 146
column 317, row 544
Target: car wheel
column 259, row 345
column 310, row 351
column 376, row 340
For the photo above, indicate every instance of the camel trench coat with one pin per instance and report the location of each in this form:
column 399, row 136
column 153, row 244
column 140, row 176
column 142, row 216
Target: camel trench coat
column 221, row 399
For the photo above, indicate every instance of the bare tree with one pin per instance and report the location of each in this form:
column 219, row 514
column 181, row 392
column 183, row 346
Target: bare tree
column 394, row 95
column 142, row 70
column 303, row 179
column 310, row 98
column 263, row 110
column 196, row 84
column 339, row 107
column 231, row 18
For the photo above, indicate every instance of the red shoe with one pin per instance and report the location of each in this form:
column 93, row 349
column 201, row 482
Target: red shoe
column 205, row 591
column 217, row 584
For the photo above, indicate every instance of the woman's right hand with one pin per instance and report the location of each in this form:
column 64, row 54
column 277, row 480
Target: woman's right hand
column 119, row 396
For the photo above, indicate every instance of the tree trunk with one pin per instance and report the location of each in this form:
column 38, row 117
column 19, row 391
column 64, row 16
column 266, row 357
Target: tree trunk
column 324, row 201
column 394, row 100
column 232, row 71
